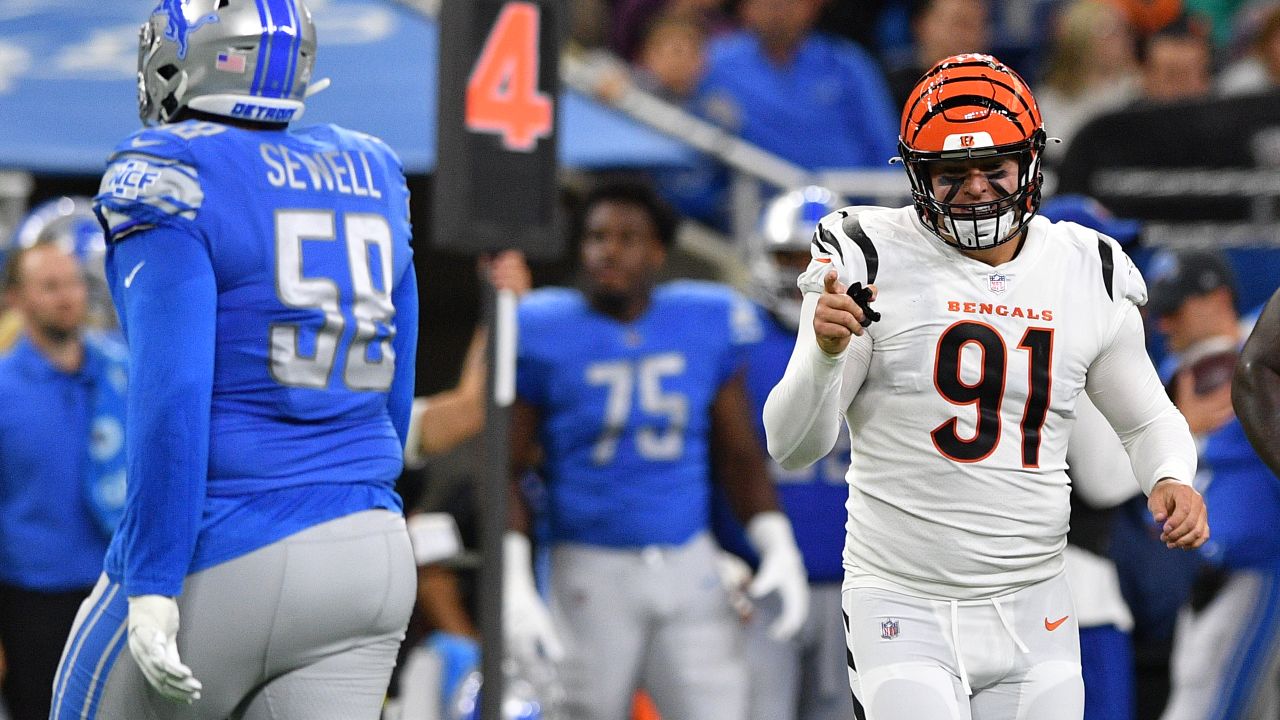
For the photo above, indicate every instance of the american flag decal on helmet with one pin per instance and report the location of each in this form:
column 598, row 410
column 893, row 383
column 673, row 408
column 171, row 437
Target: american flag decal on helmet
column 230, row 61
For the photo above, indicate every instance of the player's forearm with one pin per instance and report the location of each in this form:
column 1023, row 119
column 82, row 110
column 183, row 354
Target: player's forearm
column 524, row 455
column 1255, row 390
column 1255, row 394
column 1098, row 464
column 801, row 414
column 1124, row 386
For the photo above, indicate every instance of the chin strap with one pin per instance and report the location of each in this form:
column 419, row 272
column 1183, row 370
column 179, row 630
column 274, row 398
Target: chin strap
column 317, row 87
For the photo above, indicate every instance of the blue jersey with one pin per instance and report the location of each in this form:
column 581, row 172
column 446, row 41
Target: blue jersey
column 272, row 272
column 813, row 497
column 828, row 106
column 625, row 408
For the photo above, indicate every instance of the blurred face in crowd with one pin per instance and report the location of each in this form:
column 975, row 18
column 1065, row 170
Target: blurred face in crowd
column 673, row 53
column 1177, row 68
column 781, row 24
column 621, row 254
column 50, row 293
column 951, row 27
column 1199, row 318
column 1111, row 41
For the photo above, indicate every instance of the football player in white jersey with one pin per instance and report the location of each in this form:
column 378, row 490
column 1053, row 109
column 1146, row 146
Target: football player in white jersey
column 988, row 323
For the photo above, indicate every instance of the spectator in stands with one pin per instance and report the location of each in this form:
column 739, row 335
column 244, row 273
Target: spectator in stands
column 941, row 28
column 1226, row 661
column 632, row 20
column 1092, row 68
column 1258, row 69
column 61, row 434
column 672, row 57
column 815, row 100
column 1177, row 63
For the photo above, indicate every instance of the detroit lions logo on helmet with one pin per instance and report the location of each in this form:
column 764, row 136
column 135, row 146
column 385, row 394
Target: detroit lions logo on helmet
column 179, row 27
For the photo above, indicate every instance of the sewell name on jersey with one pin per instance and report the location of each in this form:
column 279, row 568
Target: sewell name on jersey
column 986, row 308
column 343, row 171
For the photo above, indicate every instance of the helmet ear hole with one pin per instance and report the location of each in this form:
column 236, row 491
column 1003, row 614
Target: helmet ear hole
column 167, row 72
column 170, row 105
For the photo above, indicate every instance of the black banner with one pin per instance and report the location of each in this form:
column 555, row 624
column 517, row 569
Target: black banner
column 1214, row 160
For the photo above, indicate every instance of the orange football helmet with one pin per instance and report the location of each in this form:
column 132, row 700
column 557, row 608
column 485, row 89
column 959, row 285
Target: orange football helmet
column 965, row 107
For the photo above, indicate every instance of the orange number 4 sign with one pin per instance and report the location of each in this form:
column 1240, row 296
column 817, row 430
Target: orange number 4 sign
column 502, row 92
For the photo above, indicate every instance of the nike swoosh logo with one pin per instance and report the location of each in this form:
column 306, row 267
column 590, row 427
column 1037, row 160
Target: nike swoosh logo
column 140, row 143
column 128, row 280
column 1052, row 625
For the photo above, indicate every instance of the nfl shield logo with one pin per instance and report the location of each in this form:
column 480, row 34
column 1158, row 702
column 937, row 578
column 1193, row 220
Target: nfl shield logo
column 998, row 283
column 889, row 629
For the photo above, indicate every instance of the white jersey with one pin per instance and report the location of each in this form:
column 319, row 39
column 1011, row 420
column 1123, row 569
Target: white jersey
column 958, row 484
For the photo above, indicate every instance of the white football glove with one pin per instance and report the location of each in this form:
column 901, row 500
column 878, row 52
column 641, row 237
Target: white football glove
column 153, row 635
column 526, row 621
column 781, row 569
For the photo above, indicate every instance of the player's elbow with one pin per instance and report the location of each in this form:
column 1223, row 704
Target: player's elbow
column 786, row 452
column 1248, row 377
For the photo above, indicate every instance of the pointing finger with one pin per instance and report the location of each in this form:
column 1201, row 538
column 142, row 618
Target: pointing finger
column 831, row 283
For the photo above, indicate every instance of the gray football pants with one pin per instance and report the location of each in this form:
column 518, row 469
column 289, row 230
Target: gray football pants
column 657, row 618
column 306, row 628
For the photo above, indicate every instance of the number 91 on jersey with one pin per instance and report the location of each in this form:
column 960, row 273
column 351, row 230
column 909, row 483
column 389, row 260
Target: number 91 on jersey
column 496, row 132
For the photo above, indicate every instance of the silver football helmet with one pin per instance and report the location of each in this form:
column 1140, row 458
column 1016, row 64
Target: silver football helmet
column 786, row 228
column 244, row 59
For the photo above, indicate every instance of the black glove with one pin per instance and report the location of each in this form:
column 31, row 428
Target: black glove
column 862, row 296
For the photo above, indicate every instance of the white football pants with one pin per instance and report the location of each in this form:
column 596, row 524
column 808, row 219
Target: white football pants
column 1015, row 657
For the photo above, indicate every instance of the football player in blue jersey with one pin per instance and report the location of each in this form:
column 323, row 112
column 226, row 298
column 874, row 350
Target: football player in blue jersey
column 264, row 281
column 633, row 392
column 803, row 677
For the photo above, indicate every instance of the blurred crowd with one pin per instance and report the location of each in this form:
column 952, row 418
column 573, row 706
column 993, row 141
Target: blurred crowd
column 819, row 83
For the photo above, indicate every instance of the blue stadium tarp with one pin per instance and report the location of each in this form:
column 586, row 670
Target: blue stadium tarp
column 67, row 87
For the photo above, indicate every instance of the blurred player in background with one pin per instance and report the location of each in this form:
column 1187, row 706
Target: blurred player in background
column 802, row 677
column 265, row 285
column 1226, row 650
column 62, row 484
column 1255, row 392
column 632, row 391
column 989, row 323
